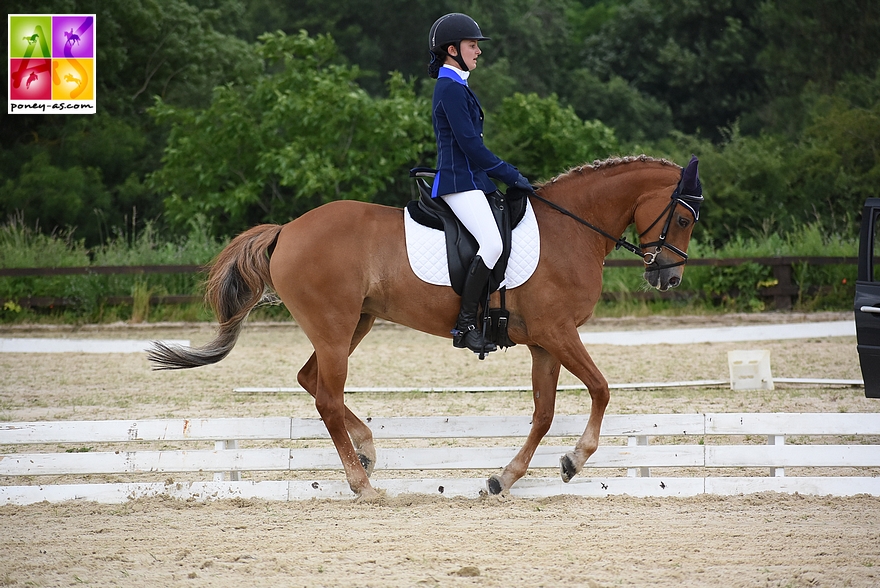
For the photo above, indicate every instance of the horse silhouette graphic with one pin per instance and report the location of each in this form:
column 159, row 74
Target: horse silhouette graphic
column 32, row 39
column 71, row 37
column 70, row 78
column 31, row 78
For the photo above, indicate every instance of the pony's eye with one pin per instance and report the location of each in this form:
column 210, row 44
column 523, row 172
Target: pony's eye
column 683, row 222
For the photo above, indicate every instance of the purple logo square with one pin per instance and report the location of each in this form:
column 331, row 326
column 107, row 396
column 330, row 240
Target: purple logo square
column 73, row 36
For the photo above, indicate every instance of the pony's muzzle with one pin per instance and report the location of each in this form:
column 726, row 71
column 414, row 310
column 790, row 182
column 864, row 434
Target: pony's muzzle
column 663, row 278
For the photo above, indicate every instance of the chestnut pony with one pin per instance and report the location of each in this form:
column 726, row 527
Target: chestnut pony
column 342, row 265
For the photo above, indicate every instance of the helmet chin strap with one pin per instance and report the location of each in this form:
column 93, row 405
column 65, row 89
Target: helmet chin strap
column 458, row 58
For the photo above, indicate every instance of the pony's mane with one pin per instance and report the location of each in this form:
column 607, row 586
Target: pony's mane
column 606, row 163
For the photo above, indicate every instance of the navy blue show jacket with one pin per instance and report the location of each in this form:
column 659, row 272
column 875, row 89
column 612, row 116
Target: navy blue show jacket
column 463, row 162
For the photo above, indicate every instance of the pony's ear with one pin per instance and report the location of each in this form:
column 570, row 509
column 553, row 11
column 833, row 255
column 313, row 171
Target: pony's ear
column 690, row 178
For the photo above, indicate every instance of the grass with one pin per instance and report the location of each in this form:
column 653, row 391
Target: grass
column 737, row 288
column 23, row 246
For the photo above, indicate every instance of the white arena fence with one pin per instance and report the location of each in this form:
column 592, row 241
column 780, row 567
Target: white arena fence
column 691, row 454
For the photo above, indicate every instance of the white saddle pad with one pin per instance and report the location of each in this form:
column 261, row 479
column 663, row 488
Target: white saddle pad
column 426, row 249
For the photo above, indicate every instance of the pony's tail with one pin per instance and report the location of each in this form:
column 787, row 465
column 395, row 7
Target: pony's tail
column 236, row 284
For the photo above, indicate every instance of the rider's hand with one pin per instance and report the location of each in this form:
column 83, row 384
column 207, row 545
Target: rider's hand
column 522, row 183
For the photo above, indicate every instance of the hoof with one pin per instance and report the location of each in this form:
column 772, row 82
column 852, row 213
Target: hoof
column 494, row 485
column 566, row 468
column 367, row 463
column 370, row 496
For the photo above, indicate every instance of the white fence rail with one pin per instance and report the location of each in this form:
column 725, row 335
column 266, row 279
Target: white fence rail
column 719, row 465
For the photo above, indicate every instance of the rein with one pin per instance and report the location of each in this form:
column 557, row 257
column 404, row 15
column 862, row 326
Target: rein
column 690, row 201
column 619, row 242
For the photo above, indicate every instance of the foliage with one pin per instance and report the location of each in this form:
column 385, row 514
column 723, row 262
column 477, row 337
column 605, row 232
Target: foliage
column 302, row 134
column 377, row 37
column 738, row 287
column 22, row 246
column 817, row 41
column 766, row 183
column 837, row 163
column 531, row 35
column 633, row 115
column 87, row 173
column 749, row 182
column 697, row 57
column 780, row 100
column 711, row 289
column 545, row 138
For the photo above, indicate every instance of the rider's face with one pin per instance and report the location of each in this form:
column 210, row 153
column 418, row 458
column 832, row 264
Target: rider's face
column 470, row 51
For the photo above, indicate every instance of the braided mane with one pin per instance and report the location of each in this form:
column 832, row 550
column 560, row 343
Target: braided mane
column 606, row 163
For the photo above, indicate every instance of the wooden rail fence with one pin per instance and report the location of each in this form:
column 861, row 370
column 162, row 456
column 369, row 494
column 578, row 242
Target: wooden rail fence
column 714, row 453
column 781, row 294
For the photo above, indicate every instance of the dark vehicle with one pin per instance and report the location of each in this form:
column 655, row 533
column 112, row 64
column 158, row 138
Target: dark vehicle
column 867, row 301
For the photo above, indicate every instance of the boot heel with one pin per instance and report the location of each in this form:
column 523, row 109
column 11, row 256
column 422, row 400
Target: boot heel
column 465, row 334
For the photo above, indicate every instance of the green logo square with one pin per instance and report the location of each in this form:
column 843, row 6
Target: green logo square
column 30, row 36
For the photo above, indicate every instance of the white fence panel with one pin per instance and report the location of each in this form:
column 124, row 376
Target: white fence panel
column 510, row 426
column 36, row 464
column 651, row 424
column 722, row 456
column 484, row 458
column 637, row 457
column 819, row 486
column 147, row 430
column 123, row 492
column 793, row 424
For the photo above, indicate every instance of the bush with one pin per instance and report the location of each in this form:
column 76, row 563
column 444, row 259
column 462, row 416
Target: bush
column 543, row 138
column 706, row 289
column 298, row 136
column 21, row 246
column 737, row 288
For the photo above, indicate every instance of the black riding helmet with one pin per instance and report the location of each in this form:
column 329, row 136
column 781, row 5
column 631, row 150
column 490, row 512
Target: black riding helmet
column 447, row 30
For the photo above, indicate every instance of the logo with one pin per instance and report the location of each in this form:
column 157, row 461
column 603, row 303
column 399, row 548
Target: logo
column 51, row 64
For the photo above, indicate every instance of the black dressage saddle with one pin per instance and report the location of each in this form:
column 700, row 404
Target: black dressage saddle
column 461, row 247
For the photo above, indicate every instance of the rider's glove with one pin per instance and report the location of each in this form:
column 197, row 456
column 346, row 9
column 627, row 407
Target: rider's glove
column 522, row 183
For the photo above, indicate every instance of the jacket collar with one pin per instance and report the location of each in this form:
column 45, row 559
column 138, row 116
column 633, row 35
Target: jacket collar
column 454, row 74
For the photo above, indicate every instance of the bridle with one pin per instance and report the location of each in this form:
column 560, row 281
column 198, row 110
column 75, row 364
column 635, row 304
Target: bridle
column 690, row 201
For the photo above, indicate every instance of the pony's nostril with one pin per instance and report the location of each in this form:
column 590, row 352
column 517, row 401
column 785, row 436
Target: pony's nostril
column 674, row 281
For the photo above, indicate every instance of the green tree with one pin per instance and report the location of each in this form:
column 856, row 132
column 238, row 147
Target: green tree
column 811, row 45
column 531, row 35
column 173, row 48
column 53, row 197
column 543, row 138
column 747, row 182
column 838, row 160
column 758, row 185
column 634, row 116
column 378, row 37
column 697, row 57
column 299, row 135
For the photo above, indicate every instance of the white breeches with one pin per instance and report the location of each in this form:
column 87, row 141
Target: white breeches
column 473, row 210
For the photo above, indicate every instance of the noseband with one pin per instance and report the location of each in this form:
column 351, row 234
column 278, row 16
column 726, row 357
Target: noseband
column 690, row 201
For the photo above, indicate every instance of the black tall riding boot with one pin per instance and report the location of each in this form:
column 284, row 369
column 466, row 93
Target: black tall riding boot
column 466, row 332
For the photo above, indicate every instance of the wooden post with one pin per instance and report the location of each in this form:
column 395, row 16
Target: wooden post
column 776, row 440
column 224, row 476
column 644, row 472
column 782, row 297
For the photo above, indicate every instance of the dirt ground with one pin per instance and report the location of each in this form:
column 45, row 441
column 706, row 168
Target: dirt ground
column 754, row 540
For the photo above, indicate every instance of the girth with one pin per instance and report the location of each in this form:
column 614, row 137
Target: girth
column 461, row 246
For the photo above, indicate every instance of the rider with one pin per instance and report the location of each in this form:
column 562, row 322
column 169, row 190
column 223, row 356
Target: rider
column 464, row 164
